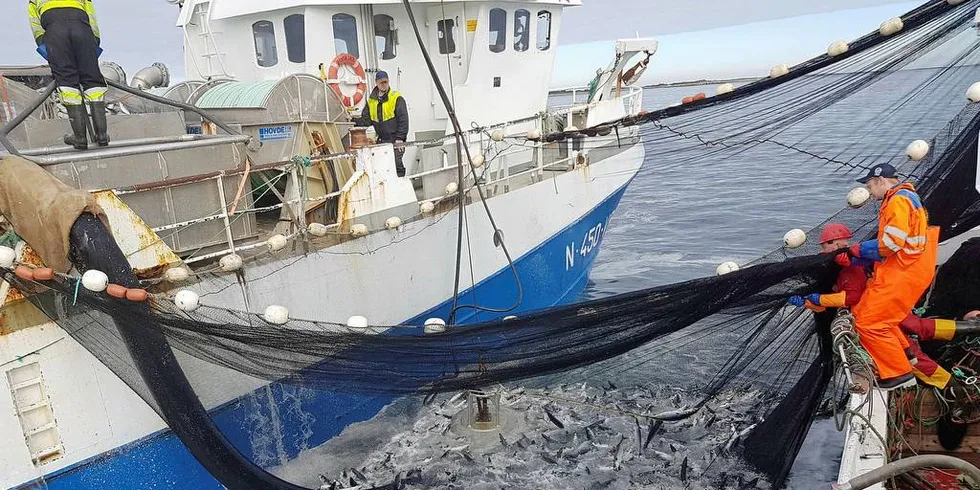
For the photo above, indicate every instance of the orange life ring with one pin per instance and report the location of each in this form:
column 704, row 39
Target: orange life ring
column 347, row 59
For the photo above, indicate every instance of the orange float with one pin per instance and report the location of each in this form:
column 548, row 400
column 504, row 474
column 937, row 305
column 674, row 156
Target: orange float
column 24, row 272
column 138, row 295
column 687, row 100
column 116, row 291
column 699, row 96
column 43, row 274
column 348, row 60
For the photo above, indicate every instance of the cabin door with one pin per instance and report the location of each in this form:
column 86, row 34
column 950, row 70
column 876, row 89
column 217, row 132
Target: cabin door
column 447, row 47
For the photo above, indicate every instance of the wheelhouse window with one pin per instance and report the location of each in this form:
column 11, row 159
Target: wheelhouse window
column 384, row 36
column 544, row 30
column 498, row 30
column 522, row 31
column 264, row 34
column 345, row 34
column 447, row 36
column 295, row 28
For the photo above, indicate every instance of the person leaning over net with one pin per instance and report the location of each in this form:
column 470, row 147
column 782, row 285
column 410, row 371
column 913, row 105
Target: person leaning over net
column 852, row 281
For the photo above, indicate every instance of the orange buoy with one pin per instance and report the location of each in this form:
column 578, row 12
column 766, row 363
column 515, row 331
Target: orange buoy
column 136, row 294
column 43, row 274
column 116, row 291
column 699, row 96
column 24, row 272
column 687, row 100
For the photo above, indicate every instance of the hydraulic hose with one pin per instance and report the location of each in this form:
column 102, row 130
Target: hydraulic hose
column 906, row 465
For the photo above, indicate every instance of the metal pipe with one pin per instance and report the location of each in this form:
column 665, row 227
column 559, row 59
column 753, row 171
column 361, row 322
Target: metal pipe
column 51, row 150
column 906, row 465
column 173, row 103
column 110, row 152
column 17, row 120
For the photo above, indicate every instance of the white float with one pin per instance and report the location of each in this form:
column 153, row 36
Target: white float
column 857, row 197
column 427, row 207
column 724, row 88
column 533, row 134
column 176, row 274
column 187, row 300
column 317, row 229
column 478, row 160
column 231, row 262
column 393, row 222
column 973, row 93
column 359, row 230
column 277, row 242
column 890, row 26
column 434, row 325
column 451, row 188
column 95, row 280
column 497, row 135
column 837, row 48
column 778, row 71
column 726, row 267
column 357, row 322
column 276, row 315
column 917, row 150
column 794, row 238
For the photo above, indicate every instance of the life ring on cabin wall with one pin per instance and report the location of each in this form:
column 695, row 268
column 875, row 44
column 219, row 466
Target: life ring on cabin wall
column 348, row 60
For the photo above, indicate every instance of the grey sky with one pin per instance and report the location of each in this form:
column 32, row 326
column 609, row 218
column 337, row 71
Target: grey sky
column 598, row 20
column 139, row 32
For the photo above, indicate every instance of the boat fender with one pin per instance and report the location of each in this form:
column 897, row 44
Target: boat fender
column 358, row 230
column 277, row 242
column 7, row 257
column 230, row 262
column 317, row 229
column 95, row 280
column 917, row 150
column 857, row 197
column 176, row 274
column 276, row 315
column 794, row 238
column 187, row 300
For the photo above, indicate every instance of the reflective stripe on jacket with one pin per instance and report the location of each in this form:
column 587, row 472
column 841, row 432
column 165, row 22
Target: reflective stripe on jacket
column 902, row 224
column 37, row 8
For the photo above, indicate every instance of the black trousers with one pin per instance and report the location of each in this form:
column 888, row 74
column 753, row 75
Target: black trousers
column 399, row 154
column 71, row 48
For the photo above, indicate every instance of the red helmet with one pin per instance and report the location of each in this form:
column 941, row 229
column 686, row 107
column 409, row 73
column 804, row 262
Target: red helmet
column 835, row 231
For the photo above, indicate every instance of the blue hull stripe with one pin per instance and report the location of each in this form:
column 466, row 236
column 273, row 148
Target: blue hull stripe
column 554, row 272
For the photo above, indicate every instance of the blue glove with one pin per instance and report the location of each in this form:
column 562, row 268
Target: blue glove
column 814, row 299
column 795, row 300
column 42, row 50
column 98, row 51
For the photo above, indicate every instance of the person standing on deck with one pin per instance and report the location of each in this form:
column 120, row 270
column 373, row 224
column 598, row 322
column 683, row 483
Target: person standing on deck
column 387, row 112
column 905, row 253
column 67, row 36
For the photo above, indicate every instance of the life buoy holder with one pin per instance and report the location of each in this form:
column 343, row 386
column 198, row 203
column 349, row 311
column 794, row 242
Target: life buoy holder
column 347, row 59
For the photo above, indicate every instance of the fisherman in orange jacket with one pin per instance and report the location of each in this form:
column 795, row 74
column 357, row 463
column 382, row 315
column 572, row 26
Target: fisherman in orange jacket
column 848, row 290
column 905, row 252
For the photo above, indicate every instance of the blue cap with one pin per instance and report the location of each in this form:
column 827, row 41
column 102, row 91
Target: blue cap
column 880, row 170
column 382, row 75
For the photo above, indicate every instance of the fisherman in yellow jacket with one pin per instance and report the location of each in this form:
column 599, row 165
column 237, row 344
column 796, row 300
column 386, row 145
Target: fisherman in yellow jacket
column 67, row 35
column 905, row 252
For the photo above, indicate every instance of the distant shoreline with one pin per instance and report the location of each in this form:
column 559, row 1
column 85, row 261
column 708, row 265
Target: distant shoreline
column 686, row 83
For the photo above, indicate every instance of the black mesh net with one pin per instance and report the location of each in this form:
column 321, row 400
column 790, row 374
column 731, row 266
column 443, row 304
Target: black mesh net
column 737, row 324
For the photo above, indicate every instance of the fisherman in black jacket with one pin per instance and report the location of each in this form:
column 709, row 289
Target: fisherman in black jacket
column 386, row 111
column 67, row 36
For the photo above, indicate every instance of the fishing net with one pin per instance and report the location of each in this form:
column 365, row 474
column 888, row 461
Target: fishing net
column 732, row 331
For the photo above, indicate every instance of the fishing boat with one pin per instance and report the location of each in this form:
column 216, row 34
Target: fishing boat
column 248, row 187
